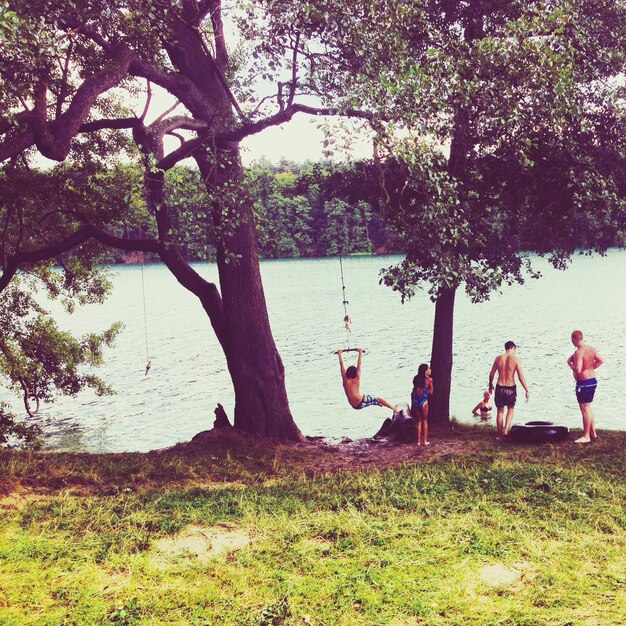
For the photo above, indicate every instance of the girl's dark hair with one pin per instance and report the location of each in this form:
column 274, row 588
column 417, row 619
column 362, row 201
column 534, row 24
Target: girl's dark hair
column 421, row 375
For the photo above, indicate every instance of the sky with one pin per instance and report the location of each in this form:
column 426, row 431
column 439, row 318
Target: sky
column 298, row 140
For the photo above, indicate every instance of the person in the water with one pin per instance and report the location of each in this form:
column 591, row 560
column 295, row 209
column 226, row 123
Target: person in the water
column 483, row 408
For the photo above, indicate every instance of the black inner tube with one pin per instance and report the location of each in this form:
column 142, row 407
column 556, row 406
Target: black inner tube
column 538, row 432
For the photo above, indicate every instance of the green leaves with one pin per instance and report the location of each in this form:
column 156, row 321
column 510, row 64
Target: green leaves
column 40, row 359
column 16, row 433
column 491, row 130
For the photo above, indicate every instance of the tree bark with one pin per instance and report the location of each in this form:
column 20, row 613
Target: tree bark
column 441, row 356
column 254, row 364
column 255, row 367
column 239, row 316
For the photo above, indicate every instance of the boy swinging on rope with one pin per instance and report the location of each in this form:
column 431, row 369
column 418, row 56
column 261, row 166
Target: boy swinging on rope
column 351, row 378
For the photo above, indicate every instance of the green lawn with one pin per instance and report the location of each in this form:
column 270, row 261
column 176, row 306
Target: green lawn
column 514, row 536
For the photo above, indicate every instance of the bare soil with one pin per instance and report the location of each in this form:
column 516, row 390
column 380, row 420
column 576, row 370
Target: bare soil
column 317, row 456
column 226, row 457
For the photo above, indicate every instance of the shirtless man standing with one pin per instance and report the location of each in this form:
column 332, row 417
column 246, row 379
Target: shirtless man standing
column 507, row 365
column 351, row 379
column 583, row 363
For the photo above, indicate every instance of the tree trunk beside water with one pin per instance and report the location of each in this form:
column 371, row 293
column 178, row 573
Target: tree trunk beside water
column 239, row 314
column 441, row 357
column 254, row 364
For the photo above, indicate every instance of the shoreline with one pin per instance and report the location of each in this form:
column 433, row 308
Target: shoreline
column 216, row 458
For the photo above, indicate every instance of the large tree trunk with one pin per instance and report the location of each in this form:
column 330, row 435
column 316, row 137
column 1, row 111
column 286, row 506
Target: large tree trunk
column 441, row 357
column 242, row 326
column 256, row 369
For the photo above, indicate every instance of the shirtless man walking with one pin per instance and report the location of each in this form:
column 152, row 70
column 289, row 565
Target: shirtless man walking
column 507, row 365
column 583, row 363
column 351, row 378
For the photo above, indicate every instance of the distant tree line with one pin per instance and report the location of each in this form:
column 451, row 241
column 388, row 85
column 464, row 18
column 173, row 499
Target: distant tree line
column 317, row 209
column 308, row 209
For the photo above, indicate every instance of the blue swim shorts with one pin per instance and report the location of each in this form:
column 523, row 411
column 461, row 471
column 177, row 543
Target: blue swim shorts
column 585, row 390
column 367, row 401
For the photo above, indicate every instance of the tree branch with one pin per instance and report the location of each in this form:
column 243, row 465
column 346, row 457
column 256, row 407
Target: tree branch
column 65, row 70
column 177, row 122
column 166, row 113
column 220, row 74
column 294, row 71
column 115, row 124
column 180, row 138
column 15, row 260
column 142, row 117
column 53, row 140
column 221, row 53
column 177, row 84
column 182, row 152
column 16, row 145
column 80, row 236
column 154, row 133
column 252, row 128
column 73, row 26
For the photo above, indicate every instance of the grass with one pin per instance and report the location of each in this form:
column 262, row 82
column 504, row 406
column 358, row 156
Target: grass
column 403, row 545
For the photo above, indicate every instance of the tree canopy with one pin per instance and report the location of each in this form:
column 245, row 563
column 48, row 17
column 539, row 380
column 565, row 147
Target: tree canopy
column 499, row 130
column 70, row 73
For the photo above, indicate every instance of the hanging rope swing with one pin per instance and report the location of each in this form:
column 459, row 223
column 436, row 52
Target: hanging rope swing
column 346, row 318
column 145, row 317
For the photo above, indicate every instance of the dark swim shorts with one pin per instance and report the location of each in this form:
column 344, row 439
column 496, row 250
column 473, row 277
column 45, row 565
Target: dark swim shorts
column 505, row 396
column 585, row 390
column 367, row 400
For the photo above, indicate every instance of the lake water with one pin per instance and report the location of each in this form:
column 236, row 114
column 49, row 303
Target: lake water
column 188, row 376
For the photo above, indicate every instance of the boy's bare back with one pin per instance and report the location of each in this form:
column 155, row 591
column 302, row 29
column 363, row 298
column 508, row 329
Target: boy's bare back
column 507, row 365
column 353, row 391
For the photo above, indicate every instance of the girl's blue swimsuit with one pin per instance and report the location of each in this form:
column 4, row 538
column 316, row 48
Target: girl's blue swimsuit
column 418, row 400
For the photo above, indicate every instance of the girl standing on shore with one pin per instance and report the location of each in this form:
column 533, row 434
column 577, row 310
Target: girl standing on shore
column 422, row 388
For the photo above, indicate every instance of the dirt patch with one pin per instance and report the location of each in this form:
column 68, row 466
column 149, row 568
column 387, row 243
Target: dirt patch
column 380, row 453
column 317, row 457
column 513, row 577
column 20, row 499
column 202, row 542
